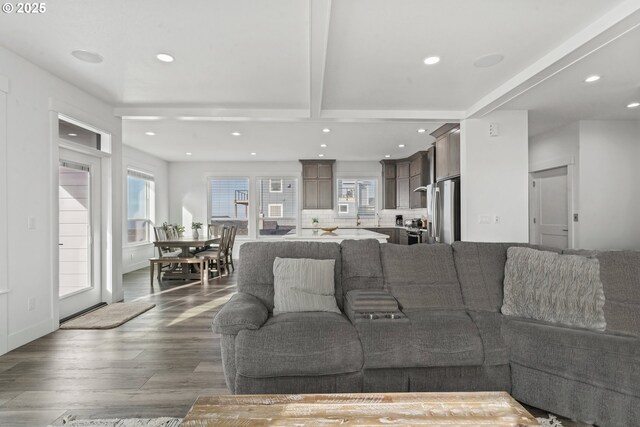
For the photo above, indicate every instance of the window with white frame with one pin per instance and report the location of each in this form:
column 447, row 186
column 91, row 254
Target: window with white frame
column 140, row 206
column 229, row 203
column 277, row 210
column 275, row 185
column 356, row 196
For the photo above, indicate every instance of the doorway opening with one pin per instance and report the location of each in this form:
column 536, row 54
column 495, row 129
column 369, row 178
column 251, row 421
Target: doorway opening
column 550, row 195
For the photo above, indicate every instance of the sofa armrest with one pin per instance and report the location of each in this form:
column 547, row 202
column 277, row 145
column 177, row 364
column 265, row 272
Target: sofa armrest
column 242, row 311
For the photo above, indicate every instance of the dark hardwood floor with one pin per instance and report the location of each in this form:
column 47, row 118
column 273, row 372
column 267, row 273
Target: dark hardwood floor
column 154, row 365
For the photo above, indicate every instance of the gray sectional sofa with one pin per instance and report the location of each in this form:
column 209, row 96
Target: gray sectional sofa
column 447, row 335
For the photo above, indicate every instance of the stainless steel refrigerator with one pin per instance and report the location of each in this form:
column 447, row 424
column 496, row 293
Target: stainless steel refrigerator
column 443, row 204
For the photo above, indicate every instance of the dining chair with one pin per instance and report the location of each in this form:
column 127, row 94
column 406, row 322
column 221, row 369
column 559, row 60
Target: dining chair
column 217, row 255
column 165, row 252
column 229, row 251
column 214, row 229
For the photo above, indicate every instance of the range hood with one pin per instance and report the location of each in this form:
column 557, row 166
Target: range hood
column 422, row 188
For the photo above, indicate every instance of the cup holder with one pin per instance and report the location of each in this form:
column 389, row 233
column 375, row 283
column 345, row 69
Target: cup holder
column 370, row 316
column 393, row 316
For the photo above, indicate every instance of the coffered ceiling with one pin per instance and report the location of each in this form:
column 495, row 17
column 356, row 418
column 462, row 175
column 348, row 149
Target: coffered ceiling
column 280, row 71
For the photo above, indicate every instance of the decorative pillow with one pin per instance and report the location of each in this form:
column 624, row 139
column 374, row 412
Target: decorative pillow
column 554, row 288
column 302, row 284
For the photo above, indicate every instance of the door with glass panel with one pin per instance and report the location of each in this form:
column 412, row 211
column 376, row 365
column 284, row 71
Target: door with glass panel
column 79, row 232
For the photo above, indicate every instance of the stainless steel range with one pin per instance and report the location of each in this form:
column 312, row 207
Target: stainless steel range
column 414, row 230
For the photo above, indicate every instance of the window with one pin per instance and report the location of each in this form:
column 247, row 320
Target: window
column 278, row 210
column 140, row 206
column 357, row 197
column 229, row 203
column 275, row 185
column 275, row 210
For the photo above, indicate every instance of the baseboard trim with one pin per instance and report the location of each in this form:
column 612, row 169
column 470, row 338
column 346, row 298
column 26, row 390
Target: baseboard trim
column 26, row 335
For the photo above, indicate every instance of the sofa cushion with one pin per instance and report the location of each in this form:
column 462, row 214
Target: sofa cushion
column 555, row 288
column 298, row 344
column 489, row 326
column 480, row 268
column 303, row 285
column 620, row 275
column 421, row 276
column 597, row 358
column 361, row 267
column 255, row 273
column 444, row 338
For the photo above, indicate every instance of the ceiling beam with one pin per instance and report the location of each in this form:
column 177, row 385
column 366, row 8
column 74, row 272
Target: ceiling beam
column 615, row 23
column 394, row 115
column 210, row 114
column 319, row 21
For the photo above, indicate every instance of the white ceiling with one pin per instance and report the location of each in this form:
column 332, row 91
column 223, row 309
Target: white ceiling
column 279, row 71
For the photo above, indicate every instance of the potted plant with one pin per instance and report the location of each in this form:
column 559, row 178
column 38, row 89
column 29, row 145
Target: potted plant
column 196, row 226
column 180, row 229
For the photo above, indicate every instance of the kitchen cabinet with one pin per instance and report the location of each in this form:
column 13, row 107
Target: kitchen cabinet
column 447, row 151
column 417, row 199
column 421, row 175
column 388, row 184
column 317, row 184
column 402, row 184
column 403, row 236
column 391, row 232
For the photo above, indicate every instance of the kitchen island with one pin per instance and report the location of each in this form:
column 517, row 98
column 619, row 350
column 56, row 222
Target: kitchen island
column 312, row 235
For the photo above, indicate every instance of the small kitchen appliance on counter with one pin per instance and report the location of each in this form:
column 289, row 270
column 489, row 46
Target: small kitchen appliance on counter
column 399, row 221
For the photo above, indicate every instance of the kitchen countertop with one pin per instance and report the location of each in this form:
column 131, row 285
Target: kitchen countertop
column 313, row 235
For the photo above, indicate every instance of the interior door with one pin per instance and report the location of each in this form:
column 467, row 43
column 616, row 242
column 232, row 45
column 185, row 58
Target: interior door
column 79, row 232
column 551, row 208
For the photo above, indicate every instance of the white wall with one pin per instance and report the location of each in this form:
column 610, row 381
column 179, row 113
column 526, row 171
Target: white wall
column 494, row 177
column 4, row 286
column 610, row 185
column 137, row 256
column 33, row 100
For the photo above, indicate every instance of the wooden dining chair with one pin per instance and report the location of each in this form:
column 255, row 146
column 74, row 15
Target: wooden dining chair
column 217, row 256
column 229, row 251
column 164, row 252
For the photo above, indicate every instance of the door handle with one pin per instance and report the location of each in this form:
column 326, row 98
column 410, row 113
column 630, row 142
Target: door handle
column 565, row 229
column 60, row 244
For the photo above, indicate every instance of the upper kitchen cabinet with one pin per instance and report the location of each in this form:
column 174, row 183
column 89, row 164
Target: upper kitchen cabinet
column 403, row 191
column 421, row 171
column 447, row 151
column 388, row 184
column 317, row 184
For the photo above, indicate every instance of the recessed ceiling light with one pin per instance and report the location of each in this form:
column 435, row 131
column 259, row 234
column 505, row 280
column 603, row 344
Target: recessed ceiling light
column 188, row 154
column 488, row 60
column 72, row 134
column 323, row 145
column 235, row 133
column 592, row 79
column 326, row 130
column 150, row 133
column 432, row 60
column 387, row 155
column 86, row 56
column 422, row 130
column 634, row 105
column 164, row 57
column 320, row 155
column 253, row 154
column 401, row 145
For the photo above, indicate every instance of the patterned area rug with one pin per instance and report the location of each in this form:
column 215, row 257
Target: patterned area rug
column 552, row 421
column 124, row 422
column 109, row 316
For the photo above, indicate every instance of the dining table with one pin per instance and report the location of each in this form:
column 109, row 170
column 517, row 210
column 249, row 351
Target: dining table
column 185, row 244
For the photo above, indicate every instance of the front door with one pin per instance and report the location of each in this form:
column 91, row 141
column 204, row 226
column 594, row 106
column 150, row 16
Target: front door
column 80, row 232
column 551, row 208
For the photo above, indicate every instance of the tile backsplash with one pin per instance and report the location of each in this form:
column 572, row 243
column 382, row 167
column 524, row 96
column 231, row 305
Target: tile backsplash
column 386, row 218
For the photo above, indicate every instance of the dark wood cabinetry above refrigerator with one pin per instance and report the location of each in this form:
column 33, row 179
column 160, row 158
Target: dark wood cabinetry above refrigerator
column 400, row 177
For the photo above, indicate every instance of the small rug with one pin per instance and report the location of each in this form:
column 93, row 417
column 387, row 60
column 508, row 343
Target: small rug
column 109, row 316
column 552, row 421
column 124, row 422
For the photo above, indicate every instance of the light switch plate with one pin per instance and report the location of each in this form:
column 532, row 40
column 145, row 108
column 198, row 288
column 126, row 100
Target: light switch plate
column 31, row 223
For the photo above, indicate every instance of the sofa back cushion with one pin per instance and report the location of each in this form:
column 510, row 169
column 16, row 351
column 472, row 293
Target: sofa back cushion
column 480, row 268
column 421, row 276
column 255, row 272
column 555, row 288
column 361, row 266
column 620, row 275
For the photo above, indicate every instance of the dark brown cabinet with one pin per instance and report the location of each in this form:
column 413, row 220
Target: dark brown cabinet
column 447, row 151
column 317, row 184
column 401, row 177
column 403, row 236
column 391, row 232
column 388, row 184
column 402, row 184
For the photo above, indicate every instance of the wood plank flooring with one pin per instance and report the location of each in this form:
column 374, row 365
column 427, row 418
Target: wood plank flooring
column 152, row 366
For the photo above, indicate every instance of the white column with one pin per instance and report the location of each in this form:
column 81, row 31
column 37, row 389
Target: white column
column 4, row 285
column 494, row 177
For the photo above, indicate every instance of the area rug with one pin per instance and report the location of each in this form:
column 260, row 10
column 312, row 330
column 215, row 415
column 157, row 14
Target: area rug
column 552, row 421
column 124, row 422
column 109, row 316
